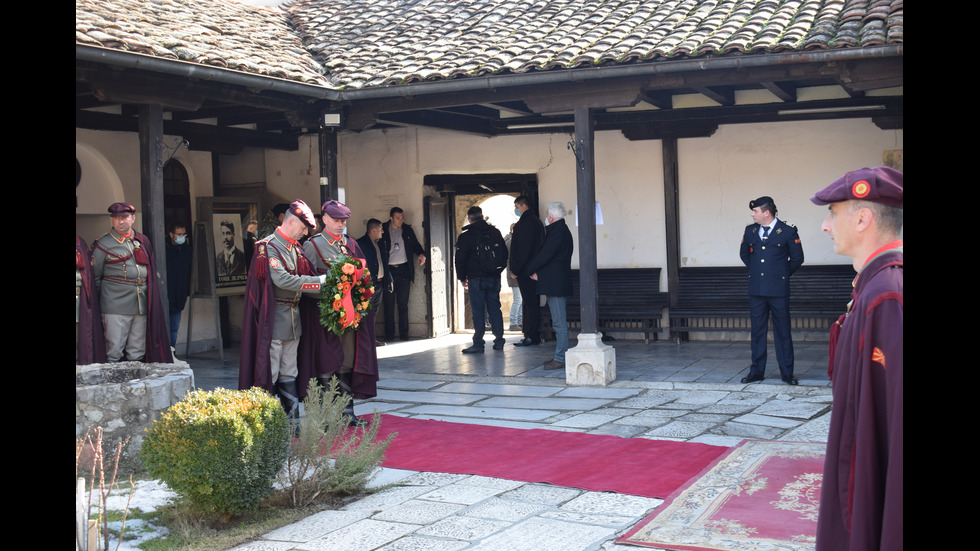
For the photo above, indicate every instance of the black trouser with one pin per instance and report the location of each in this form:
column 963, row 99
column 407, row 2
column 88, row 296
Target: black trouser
column 401, row 275
column 531, row 305
column 485, row 297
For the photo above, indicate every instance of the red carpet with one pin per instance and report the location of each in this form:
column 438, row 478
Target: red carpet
column 634, row 466
column 760, row 495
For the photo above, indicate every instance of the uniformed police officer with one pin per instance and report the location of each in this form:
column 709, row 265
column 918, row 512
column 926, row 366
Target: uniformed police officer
column 772, row 251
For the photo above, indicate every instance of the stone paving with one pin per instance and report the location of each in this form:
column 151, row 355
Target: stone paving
column 429, row 379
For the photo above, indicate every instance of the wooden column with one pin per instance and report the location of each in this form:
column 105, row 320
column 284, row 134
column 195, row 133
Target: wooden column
column 671, row 216
column 329, row 188
column 585, row 183
column 151, row 187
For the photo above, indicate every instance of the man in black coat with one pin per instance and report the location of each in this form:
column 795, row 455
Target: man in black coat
column 551, row 268
column 179, row 259
column 772, row 251
column 526, row 241
column 400, row 241
column 481, row 280
column 376, row 255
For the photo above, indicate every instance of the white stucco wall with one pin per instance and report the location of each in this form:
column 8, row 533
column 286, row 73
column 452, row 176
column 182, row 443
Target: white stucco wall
column 292, row 175
column 787, row 161
column 384, row 168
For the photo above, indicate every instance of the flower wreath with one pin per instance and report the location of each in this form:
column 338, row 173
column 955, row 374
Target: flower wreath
column 346, row 295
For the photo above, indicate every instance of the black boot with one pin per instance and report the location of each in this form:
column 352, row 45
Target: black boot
column 289, row 398
column 344, row 388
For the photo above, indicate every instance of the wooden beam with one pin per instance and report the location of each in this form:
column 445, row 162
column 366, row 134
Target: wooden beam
column 593, row 95
column 782, row 90
column 584, row 148
column 151, row 187
column 669, row 130
column 197, row 134
column 722, row 95
column 659, row 99
column 329, row 186
column 441, row 120
column 671, row 216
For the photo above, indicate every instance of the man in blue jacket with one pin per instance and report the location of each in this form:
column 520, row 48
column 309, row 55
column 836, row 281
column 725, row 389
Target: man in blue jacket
column 772, row 251
column 551, row 267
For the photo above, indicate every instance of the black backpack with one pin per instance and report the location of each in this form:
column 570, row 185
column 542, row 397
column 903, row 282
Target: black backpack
column 491, row 251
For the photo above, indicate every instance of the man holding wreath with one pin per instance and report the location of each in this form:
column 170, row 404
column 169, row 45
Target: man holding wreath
column 351, row 356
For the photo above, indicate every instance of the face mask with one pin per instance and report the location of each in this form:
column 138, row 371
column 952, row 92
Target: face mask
column 181, row 239
column 517, row 213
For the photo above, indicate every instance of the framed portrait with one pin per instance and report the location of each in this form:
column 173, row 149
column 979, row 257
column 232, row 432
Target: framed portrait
column 229, row 242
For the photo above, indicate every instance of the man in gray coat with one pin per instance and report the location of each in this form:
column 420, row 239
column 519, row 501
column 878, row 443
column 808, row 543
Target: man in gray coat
column 551, row 267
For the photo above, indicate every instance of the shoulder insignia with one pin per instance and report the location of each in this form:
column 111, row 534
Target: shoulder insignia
column 878, row 356
column 274, row 262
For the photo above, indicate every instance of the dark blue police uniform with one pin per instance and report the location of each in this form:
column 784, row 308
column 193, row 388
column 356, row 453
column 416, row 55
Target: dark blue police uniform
column 771, row 262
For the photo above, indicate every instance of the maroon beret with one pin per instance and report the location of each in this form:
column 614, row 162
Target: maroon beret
column 302, row 211
column 121, row 209
column 881, row 184
column 336, row 210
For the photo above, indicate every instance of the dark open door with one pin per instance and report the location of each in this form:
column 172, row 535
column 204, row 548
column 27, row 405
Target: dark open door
column 438, row 228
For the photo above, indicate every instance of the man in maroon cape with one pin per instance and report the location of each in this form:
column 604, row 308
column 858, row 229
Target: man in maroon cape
column 272, row 327
column 89, row 340
column 125, row 274
column 352, row 357
column 861, row 502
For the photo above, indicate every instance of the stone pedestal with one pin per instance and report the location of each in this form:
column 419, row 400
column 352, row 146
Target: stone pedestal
column 590, row 362
column 125, row 399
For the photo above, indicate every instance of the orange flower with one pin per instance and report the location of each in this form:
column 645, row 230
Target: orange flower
column 348, row 268
column 337, row 305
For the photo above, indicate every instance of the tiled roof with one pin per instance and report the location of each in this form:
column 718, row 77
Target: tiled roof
column 218, row 33
column 368, row 43
column 379, row 42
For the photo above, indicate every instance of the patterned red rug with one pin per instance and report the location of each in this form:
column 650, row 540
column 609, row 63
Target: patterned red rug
column 760, row 495
column 634, row 466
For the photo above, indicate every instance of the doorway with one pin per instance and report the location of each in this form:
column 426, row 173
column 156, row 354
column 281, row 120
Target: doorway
column 447, row 198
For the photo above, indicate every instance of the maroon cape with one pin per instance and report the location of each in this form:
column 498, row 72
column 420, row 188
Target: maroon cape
column 258, row 320
column 91, row 341
column 323, row 354
column 157, row 318
column 861, row 504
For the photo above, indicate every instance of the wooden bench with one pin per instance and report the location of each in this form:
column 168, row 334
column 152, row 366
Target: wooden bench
column 629, row 300
column 717, row 298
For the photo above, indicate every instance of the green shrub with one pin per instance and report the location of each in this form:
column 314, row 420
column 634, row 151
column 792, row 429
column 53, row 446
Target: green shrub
column 328, row 457
column 220, row 450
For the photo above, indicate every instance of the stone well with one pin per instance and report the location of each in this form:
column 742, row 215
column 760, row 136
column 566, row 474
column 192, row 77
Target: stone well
column 124, row 399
